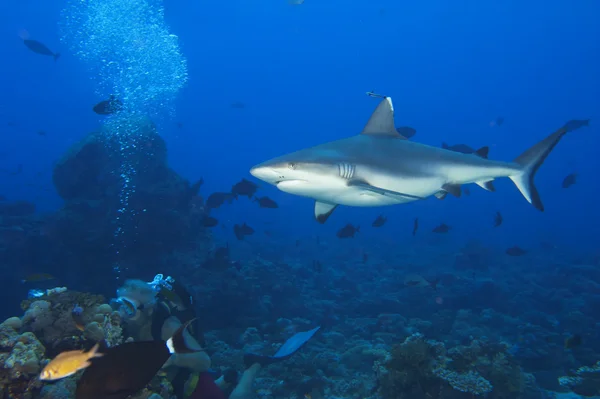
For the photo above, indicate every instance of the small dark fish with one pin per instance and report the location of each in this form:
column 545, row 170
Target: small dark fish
column 238, row 105
column 242, row 231
column 406, row 131
column 40, row 48
column 415, row 226
column 365, row 258
column 375, row 95
column 108, row 107
column 41, row 133
column 297, row 243
column 380, row 221
column 442, row 228
column 266, row 202
column 465, row 149
column 317, row 266
column 244, row 187
column 215, row 200
column 499, row 121
column 38, row 277
column 575, row 124
column 179, row 125
column 498, row 219
column 515, row 251
column 348, row 231
column 124, row 369
column 569, row 180
column 209, row 221
column 573, row 341
column 466, row 190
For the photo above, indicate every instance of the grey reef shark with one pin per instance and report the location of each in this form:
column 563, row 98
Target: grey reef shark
column 381, row 167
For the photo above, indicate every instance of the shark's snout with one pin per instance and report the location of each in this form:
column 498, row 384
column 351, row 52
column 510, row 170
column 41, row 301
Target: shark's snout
column 265, row 173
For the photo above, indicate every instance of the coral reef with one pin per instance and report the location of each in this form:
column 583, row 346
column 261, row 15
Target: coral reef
column 420, row 368
column 585, row 381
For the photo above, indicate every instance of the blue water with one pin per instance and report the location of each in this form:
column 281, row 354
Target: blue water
column 302, row 72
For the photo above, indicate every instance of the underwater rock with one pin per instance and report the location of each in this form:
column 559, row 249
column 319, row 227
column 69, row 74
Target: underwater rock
column 161, row 213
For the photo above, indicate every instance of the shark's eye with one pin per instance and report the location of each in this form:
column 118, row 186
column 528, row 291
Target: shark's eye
column 292, row 165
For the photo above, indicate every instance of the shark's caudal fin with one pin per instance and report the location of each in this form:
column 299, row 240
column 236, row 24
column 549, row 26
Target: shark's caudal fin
column 531, row 160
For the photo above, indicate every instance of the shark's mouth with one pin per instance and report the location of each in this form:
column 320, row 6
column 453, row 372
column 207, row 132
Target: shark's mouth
column 289, row 183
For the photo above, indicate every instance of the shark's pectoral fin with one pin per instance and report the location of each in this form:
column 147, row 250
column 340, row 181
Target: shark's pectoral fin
column 453, row 189
column 381, row 122
column 323, row 210
column 441, row 195
column 382, row 191
column 486, row 185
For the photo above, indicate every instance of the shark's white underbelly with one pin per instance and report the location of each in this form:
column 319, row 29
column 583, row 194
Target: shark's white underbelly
column 342, row 193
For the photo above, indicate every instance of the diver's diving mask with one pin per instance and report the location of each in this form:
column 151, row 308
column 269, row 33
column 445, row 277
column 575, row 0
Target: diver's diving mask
column 128, row 308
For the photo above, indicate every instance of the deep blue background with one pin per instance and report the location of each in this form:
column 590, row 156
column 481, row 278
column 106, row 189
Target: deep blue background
column 302, row 71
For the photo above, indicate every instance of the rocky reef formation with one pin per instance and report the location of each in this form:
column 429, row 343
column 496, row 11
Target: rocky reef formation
column 420, row 368
column 585, row 381
column 123, row 207
column 124, row 197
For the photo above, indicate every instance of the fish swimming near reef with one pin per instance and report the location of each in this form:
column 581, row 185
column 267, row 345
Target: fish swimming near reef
column 40, row 48
column 442, row 228
column 68, row 363
column 380, row 221
column 244, row 188
column 348, row 231
column 465, row 149
column 569, row 180
column 242, row 231
column 215, row 200
column 415, row 226
column 406, row 131
column 516, row 251
column 266, row 202
column 498, row 219
column 380, row 167
column 127, row 368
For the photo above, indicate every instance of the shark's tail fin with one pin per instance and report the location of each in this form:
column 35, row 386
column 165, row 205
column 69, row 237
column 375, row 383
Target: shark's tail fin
column 531, row 160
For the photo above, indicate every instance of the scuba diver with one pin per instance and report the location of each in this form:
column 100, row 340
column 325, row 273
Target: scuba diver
column 155, row 310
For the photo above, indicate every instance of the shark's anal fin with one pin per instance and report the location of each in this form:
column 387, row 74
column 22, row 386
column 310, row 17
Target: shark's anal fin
column 453, row 189
column 323, row 210
column 382, row 191
column 381, row 122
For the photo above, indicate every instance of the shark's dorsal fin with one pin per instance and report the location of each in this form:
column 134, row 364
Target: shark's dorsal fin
column 323, row 210
column 381, row 122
